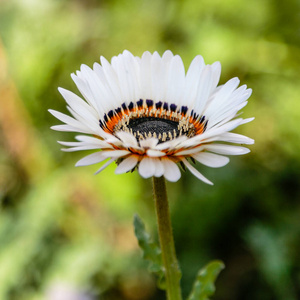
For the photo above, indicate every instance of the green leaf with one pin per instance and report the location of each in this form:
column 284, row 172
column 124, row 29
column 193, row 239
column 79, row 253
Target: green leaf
column 204, row 284
column 151, row 251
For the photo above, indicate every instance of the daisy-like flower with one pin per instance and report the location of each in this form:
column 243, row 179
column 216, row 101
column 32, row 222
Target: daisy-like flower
column 148, row 114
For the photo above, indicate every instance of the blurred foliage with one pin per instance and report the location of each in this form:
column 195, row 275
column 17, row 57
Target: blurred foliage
column 204, row 285
column 63, row 229
column 151, row 252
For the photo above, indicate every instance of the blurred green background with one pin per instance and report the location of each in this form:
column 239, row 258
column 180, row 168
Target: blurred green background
column 67, row 233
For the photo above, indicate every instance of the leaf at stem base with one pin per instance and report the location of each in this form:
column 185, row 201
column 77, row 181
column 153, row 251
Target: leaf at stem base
column 204, row 285
column 151, row 251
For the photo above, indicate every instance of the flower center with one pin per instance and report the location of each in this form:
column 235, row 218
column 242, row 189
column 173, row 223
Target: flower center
column 163, row 129
column 146, row 119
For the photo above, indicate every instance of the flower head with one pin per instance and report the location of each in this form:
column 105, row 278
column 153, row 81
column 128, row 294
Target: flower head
column 148, row 114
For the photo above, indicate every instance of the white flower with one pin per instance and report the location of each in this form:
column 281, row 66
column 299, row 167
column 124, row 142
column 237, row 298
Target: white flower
column 146, row 113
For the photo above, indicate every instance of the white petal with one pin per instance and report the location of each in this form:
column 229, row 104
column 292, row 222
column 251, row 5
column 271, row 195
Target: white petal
column 176, row 81
column 248, row 120
column 112, row 80
column 81, row 148
column 236, row 102
column 195, row 172
column 164, row 76
column 147, row 167
column 125, row 69
column 155, row 153
column 116, row 153
column 211, row 133
column 67, row 119
column 159, row 168
column 132, row 70
column 227, row 149
column 211, row 160
column 195, row 67
column 87, row 121
column 91, row 159
column 203, row 92
column 235, row 138
column 78, row 105
column 216, row 73
column 105, row 165
column 156, row 78
column 172, row 172
column 98, row 90
column 127, row 138
column 84, row 89
column 222, row 96
column 71, row 144
column 188, row 152
column 192, row 80
column 225, row 114
column 127, row 164
column 94, row 144
column 93, row 140
column 69, row 128
column 172, row 143
column 99, row 71
column 145, row 76
column 149, row 143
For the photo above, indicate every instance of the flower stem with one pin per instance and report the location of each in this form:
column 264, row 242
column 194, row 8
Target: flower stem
column 172, row 271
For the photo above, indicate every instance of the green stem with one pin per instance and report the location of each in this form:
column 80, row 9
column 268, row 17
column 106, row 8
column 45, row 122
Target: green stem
column 172, row 271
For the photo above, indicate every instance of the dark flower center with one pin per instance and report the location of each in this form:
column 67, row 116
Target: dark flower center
column 162, row 129
column 146, row 119
column 152, row 124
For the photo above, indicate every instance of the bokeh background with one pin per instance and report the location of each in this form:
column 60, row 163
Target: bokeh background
column 67, row 234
